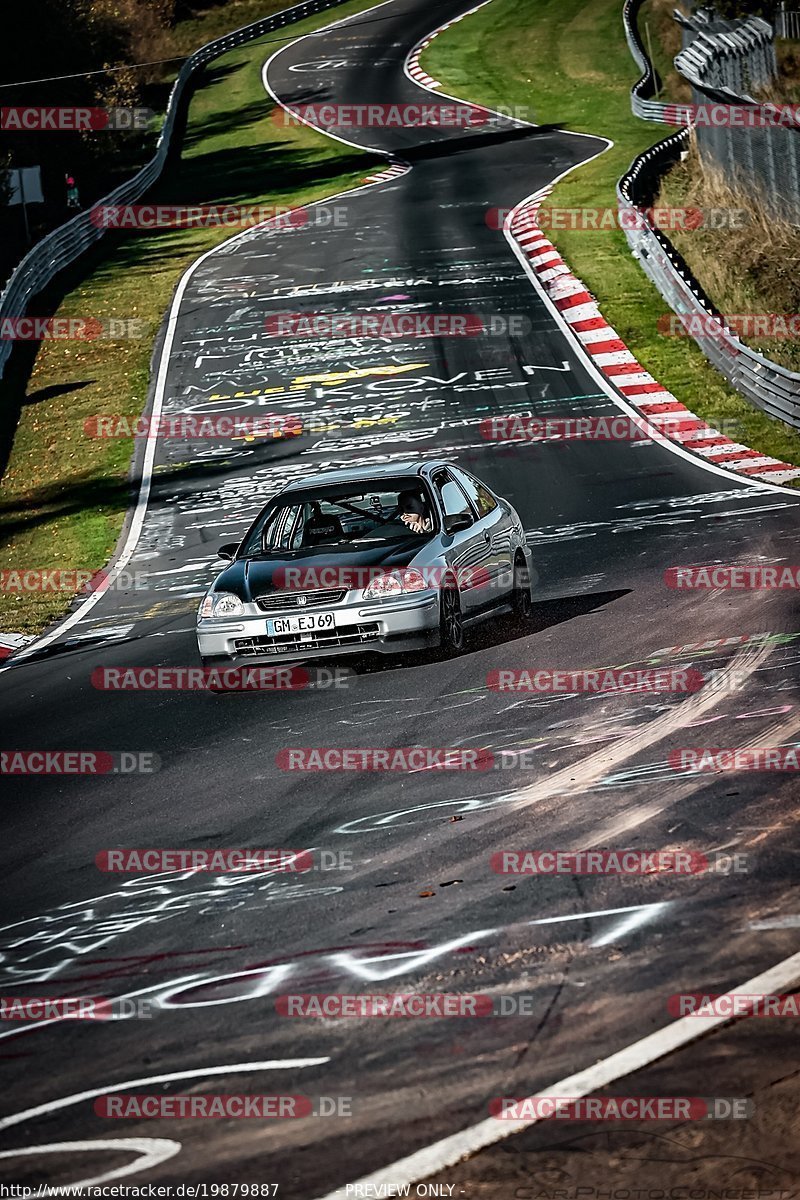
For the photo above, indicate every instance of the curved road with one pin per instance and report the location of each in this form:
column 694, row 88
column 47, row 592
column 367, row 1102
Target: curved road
column 410, row 902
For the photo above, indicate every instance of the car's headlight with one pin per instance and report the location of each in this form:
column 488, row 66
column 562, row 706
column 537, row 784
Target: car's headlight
column 395, row 583
column 220, row 604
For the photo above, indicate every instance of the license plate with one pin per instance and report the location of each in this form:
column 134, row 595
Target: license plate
column 308, row 623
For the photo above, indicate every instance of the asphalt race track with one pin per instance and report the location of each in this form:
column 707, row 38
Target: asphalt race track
column 410, row 902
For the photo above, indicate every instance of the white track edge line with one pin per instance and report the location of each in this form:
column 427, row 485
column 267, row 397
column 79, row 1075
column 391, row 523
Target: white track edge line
column 598, row 376
column 423, row 44
column 140, row 508
column 311, row 125
column 453, row 1149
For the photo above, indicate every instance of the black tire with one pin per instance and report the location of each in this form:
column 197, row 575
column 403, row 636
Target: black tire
column 521, row 602
column 451, row 623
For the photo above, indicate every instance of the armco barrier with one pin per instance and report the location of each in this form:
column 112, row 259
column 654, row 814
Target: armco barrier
column 724, row 61
column 769, row 386
column 642, row 92
column 739, row 54
column 64, row 245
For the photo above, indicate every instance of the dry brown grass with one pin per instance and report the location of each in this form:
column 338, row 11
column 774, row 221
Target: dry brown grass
column 788, row 70
column 785, row 88
column 750, row 265
column 665, row 39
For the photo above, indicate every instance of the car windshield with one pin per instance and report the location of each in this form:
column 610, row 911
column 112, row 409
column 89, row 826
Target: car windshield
column 353, row 514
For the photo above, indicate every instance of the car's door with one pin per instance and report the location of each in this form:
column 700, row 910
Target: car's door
column 467, row 551
column 495, row 519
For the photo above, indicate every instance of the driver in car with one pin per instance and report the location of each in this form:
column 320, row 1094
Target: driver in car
column 414, row 513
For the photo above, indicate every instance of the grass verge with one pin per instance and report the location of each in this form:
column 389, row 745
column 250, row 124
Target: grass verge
column 65, row 495
column 570, row 61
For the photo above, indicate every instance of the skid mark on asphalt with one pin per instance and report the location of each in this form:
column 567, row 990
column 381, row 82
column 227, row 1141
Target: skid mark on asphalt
column 789, row 922
column 581, row 775
column 776, row 735
column 601, row 770
column 204, row 989
column 451, row 1150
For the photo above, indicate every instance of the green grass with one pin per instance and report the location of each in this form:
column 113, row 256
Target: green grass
column 65, row 495
column 569, row 60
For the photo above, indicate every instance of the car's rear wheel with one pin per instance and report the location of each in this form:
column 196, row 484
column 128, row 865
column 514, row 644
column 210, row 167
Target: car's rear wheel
column 451, row 622
column 521, row 597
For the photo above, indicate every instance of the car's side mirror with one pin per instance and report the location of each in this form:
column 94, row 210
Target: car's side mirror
column 228, row 551
column 457, row 522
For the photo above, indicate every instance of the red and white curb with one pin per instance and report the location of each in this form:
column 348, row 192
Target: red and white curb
column 578, row 308
column 11, row 642
column 390, row 173
column 414, row 70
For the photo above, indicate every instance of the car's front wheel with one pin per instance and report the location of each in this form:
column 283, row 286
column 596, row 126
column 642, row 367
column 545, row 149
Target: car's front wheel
column 451, row 622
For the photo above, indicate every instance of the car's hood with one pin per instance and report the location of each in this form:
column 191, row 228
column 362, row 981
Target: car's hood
column 248, row 578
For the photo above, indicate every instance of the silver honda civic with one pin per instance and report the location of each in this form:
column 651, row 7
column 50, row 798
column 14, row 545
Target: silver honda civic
column 392, row 558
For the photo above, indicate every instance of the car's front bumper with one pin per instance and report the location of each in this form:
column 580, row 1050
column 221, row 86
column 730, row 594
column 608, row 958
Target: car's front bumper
column 383, row 626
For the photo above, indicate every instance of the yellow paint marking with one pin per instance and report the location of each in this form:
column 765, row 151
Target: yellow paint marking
column 244, row 395
column 164, row 608
column 358, row 373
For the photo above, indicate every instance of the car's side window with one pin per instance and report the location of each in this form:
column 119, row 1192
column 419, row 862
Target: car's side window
column 454, row 501
column 294, row 535
column 281, row 530
column 481, row 497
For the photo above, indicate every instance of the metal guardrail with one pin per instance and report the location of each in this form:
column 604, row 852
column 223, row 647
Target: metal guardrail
column 64, row 245
column 739, row 55
column 787, row 24
column 642, row 92
column 771, row 387
column 759, row 150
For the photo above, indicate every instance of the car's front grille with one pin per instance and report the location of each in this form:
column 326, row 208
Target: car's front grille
column 281, row 601
column 347, row 635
